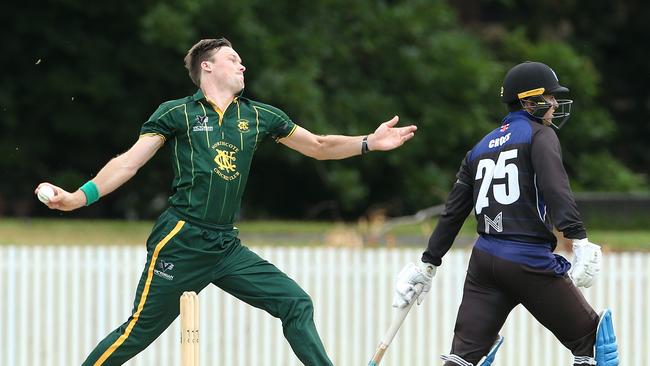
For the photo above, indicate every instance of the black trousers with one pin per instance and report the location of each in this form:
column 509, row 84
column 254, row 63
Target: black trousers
column 494, row 286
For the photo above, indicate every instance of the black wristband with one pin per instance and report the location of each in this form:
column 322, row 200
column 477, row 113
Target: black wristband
column 364, row 145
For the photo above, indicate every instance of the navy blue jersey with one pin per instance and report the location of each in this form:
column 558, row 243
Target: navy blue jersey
column 514, row 181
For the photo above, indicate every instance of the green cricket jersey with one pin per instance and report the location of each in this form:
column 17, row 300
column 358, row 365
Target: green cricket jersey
column 212, row 151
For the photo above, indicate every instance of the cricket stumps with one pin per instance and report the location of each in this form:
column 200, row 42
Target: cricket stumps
column 190, row 329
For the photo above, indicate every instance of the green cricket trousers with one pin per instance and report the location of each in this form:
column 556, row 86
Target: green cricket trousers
column 185, row 256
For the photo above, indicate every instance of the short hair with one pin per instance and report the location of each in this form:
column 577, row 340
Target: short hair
column 202, row 51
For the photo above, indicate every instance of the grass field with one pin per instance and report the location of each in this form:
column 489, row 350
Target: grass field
column 116, row 232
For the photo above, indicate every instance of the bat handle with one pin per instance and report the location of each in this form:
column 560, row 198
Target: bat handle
column 399, row 317
column 394, row 327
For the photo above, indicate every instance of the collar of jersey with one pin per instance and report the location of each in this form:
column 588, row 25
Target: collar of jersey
column 199, row 95
column 516, row 115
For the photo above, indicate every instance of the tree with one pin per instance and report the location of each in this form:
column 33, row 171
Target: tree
column 87, row 77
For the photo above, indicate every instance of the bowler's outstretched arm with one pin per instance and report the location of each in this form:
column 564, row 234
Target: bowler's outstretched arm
column 115, row 173
column 334, row 147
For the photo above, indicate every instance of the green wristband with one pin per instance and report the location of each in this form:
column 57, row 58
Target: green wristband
column 91, row 192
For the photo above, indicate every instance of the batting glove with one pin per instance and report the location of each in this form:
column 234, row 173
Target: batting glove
column 587, row 260
column 407, row 278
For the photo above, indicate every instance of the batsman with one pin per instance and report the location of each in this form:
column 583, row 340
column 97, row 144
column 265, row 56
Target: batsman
column 212, row 136
column 514, row 182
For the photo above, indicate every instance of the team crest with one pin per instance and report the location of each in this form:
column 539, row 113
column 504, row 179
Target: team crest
column 226, row 160
column 202, row 124
column 242, row 125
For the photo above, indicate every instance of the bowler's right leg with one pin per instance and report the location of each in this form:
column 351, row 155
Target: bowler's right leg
column 171, row 269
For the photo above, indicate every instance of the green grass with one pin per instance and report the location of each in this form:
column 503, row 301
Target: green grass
column 117, row 232
column 621, row 240
column 75, row 232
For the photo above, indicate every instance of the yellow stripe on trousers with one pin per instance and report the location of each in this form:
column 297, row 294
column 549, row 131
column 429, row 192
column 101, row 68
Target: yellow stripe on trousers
column 143, row 297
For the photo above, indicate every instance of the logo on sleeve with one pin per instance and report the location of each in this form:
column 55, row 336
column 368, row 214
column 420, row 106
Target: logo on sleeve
column 162, row 268
column 225, row 159
column 202, row 124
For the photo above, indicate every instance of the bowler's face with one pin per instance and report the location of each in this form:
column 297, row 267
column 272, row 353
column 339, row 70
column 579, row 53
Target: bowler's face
column 228, row 69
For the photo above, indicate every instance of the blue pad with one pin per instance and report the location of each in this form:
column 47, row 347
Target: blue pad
column 489, row 358
column 606, row 349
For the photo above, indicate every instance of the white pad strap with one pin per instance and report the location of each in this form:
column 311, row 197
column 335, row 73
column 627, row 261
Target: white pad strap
column 584, row 359
column 455, row 359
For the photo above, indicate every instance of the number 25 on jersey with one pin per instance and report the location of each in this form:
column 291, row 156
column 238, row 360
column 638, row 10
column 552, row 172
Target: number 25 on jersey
column 488, row 170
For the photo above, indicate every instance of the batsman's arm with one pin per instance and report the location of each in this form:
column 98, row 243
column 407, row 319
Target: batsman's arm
column 457, row 208
column 553, row 183
column 115, row 173
column 334, row 147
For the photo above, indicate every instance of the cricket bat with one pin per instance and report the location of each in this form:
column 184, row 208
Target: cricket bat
column 394, row 327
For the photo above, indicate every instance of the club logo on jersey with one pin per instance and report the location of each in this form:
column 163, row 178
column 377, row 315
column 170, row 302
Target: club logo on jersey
column 225, row 159
column 162, row 267
column 242, row 125
column 504, row 128
column 202, row 124
column 496, row 224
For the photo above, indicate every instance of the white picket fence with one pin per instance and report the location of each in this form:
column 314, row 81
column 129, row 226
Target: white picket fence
column 56, row 303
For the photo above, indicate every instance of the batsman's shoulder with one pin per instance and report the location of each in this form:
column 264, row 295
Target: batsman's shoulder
column 541, row 133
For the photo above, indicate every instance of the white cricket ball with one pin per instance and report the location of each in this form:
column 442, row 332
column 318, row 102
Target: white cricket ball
column 45, row 193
